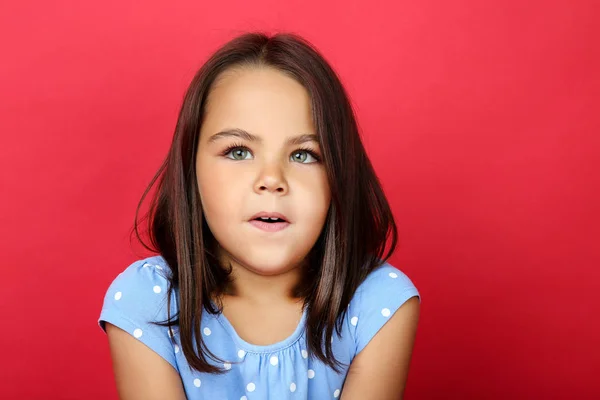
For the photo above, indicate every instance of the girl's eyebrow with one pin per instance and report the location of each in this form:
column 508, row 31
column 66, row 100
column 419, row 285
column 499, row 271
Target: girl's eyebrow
column 242, row 134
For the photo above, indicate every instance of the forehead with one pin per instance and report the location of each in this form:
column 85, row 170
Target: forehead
column 263, row 100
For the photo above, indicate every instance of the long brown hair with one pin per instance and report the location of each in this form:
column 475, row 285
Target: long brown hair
column 358, row 225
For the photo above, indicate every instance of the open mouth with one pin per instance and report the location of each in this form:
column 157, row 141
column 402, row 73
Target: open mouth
column 272, row 223
column 269, row 220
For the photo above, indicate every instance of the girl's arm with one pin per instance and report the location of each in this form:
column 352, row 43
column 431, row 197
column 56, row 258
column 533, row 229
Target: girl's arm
column 380, row 370
column 140, row 373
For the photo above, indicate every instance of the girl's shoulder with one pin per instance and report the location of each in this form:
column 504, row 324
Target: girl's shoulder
column 136, row 298
column 141, row 280
column 376, row 299
column 386, row 278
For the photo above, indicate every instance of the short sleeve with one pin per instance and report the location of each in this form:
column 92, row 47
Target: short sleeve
column 136, row 297
column 376, row 299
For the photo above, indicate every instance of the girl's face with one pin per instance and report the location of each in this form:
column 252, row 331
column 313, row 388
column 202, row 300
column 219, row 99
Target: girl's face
column 274, row 168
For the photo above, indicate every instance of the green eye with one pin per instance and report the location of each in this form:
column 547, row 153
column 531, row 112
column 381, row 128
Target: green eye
column 238, row 153
column 302, row 155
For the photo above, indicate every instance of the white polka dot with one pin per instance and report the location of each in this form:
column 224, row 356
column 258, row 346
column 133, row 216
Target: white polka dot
column 176, row 347
column 197, row 382
column 159, row 267
column 241, row 354
column 331, row 338
column 393, row 275
column 137, row 333
column 156, row 289
column 243, row 398
column 336, row 394
column 304, row 354
column 227, row 366
column 274, row 360
column 171, row 333
column 293, row 387
column 354, row 321
column 251, row 387
column 207, row 331
column 311, row 374
column 118, row 295
column 385, row 312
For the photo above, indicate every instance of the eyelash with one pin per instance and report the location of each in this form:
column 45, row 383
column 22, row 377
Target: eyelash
column 241, row 146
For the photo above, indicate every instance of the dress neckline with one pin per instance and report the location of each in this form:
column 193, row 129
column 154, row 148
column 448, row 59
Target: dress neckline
column 255, row 348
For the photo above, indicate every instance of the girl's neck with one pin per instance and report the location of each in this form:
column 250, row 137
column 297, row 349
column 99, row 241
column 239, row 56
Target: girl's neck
column 260, row 289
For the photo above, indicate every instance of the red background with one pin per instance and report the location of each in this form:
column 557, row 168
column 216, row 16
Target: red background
column 481, row 117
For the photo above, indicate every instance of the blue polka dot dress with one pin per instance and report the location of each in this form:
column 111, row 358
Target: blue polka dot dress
column 280, row 370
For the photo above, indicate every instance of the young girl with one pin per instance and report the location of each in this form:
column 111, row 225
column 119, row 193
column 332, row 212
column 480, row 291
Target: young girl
column 271, row 227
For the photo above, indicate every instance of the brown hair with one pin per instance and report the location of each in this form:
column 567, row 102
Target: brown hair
column 354, row 236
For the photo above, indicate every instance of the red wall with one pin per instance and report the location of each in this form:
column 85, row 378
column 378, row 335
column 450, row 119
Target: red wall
column 481, row 117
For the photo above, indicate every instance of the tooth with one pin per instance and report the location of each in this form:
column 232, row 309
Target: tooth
column 268, row 218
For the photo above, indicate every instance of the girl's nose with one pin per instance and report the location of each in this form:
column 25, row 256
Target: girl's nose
column 271, row 179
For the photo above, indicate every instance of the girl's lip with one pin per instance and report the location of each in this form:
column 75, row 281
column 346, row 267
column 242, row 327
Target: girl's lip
column 269, row 226
column 268, row 214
